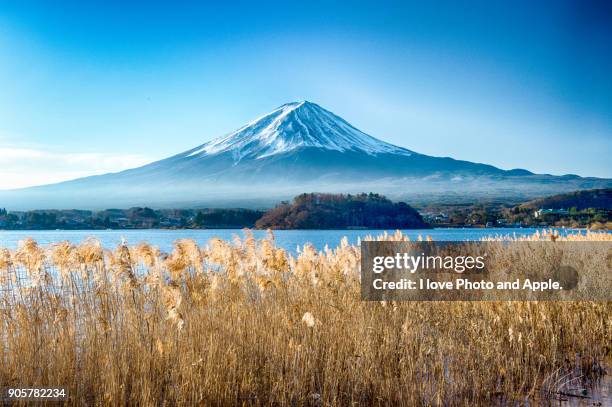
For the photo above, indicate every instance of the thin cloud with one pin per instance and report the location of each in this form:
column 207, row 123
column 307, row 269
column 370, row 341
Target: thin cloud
column 24, row 167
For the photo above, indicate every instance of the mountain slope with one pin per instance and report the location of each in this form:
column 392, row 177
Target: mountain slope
column 294, row 126
column 298, row 147
column 595, row 198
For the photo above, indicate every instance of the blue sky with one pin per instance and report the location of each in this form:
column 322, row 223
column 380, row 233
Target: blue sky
column 103, row 86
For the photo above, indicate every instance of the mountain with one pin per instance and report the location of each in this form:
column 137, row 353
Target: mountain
column 291, row 127
column 298, row 147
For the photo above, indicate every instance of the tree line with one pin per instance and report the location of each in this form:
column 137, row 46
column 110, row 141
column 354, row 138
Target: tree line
column 306, row 211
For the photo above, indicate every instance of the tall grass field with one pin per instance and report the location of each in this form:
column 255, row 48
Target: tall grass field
column 246, row 323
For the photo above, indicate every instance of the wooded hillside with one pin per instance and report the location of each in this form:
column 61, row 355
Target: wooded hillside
column 339, row 211
column 591, row 198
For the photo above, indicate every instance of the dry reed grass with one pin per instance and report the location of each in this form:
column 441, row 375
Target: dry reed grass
column 244, row 322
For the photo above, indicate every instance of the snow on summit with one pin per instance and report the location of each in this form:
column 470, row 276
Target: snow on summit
column 298, row 147
column 293, row 126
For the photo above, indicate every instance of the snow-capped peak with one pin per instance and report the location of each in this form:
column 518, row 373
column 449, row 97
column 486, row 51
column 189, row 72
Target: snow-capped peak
column 292, row 126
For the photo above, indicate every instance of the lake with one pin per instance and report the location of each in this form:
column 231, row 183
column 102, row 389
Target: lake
column 288, row 239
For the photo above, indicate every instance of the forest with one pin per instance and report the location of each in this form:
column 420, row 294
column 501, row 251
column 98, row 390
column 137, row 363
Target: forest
column 132, row 218
column 341, row 211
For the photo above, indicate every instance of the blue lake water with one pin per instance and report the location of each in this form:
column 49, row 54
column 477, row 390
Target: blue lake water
column 288, row 239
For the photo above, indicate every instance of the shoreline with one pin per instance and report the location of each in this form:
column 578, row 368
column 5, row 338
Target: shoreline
column 322, row 229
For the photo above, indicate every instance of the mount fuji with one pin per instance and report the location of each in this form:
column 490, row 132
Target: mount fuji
column 298, row 147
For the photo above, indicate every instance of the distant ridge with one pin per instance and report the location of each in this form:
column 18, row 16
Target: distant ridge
column 594, row 198
column 297, row 147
